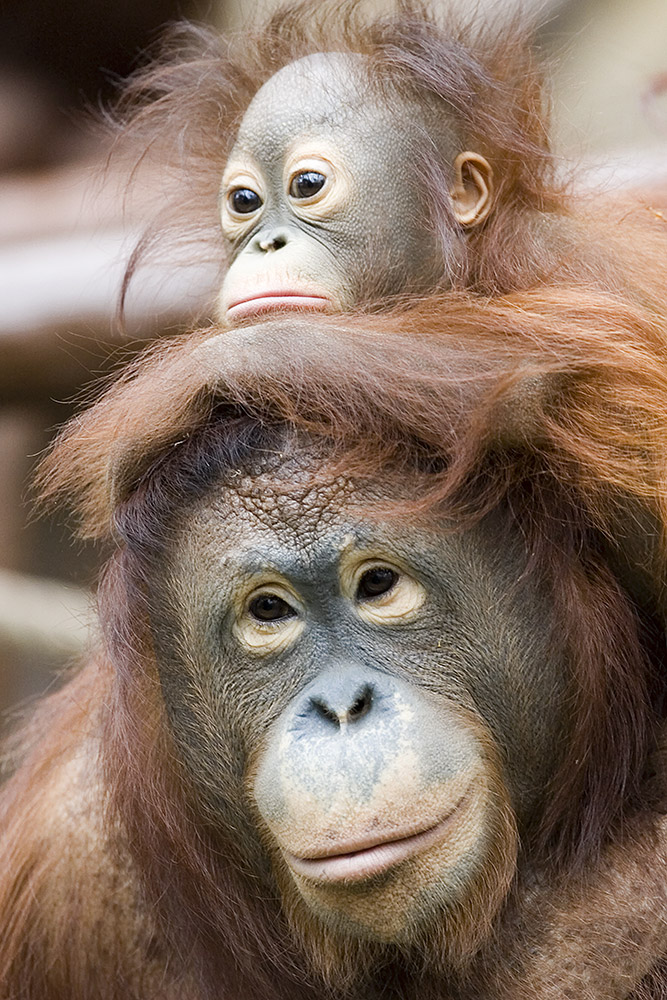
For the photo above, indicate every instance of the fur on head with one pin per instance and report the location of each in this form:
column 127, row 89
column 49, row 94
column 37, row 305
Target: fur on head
column 549, row 405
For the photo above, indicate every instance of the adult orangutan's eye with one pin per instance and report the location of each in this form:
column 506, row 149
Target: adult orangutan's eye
column 376, row 581
column 270, row 608
column 383, row 594
column 268, row 619
column 306, row 184
column 244, row 201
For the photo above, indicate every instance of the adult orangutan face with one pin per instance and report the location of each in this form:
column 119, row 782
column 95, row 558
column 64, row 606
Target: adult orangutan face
column 380, row 691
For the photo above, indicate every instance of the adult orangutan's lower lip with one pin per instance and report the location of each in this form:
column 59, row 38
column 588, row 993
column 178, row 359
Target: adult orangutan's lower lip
column 355, row 866
column 276, row 300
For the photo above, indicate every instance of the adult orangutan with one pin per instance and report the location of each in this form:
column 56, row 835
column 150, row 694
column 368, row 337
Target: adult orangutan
column 338, row 741
column 338, row 158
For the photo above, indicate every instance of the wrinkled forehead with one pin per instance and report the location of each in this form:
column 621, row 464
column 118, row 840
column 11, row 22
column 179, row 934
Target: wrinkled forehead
column 300, row 501
column 250, row 523
column 324, row 92
column 300, row 510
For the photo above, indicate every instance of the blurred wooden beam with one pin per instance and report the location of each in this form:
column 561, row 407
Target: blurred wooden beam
column 45, row 627
column 59, row 294
column 65, row 238
column 43, row 618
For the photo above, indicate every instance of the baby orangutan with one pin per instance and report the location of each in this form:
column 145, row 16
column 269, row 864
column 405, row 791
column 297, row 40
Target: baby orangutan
column 337, row 159
column 329, row 167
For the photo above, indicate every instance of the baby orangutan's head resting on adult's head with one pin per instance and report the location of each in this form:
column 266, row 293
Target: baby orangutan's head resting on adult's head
column 336, row 158
column 323, row 197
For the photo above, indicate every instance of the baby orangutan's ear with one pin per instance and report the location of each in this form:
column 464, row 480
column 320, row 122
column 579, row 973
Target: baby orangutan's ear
column 472, row 193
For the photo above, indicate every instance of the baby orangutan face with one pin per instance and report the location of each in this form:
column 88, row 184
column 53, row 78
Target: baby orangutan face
column 325, row 196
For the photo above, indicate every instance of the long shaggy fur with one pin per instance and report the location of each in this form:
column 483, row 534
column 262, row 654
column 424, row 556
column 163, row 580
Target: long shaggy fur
column 551, row 406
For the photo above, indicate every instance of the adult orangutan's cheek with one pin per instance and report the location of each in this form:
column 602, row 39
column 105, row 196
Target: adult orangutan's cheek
column 376, row 822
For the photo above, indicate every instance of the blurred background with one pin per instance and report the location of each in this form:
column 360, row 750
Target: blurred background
column 65, row 236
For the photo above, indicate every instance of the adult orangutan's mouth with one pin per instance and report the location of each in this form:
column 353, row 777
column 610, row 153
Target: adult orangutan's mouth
column 370, row 859
column 275, row 300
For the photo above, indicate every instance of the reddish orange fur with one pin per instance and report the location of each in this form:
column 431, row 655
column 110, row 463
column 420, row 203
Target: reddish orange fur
column 554, row 401
column 440, row 372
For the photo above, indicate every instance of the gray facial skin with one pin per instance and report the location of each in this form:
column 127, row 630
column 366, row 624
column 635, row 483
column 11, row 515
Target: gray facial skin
column 364, row 234
column 374, row 688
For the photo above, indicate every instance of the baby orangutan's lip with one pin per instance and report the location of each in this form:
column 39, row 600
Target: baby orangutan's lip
column 355, row 865
column 275, row 300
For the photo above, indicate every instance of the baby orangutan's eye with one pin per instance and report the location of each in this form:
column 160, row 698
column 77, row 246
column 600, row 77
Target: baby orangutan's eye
column 376, row 581
column 270, row 608
column 244, row 201
column 306, row 184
